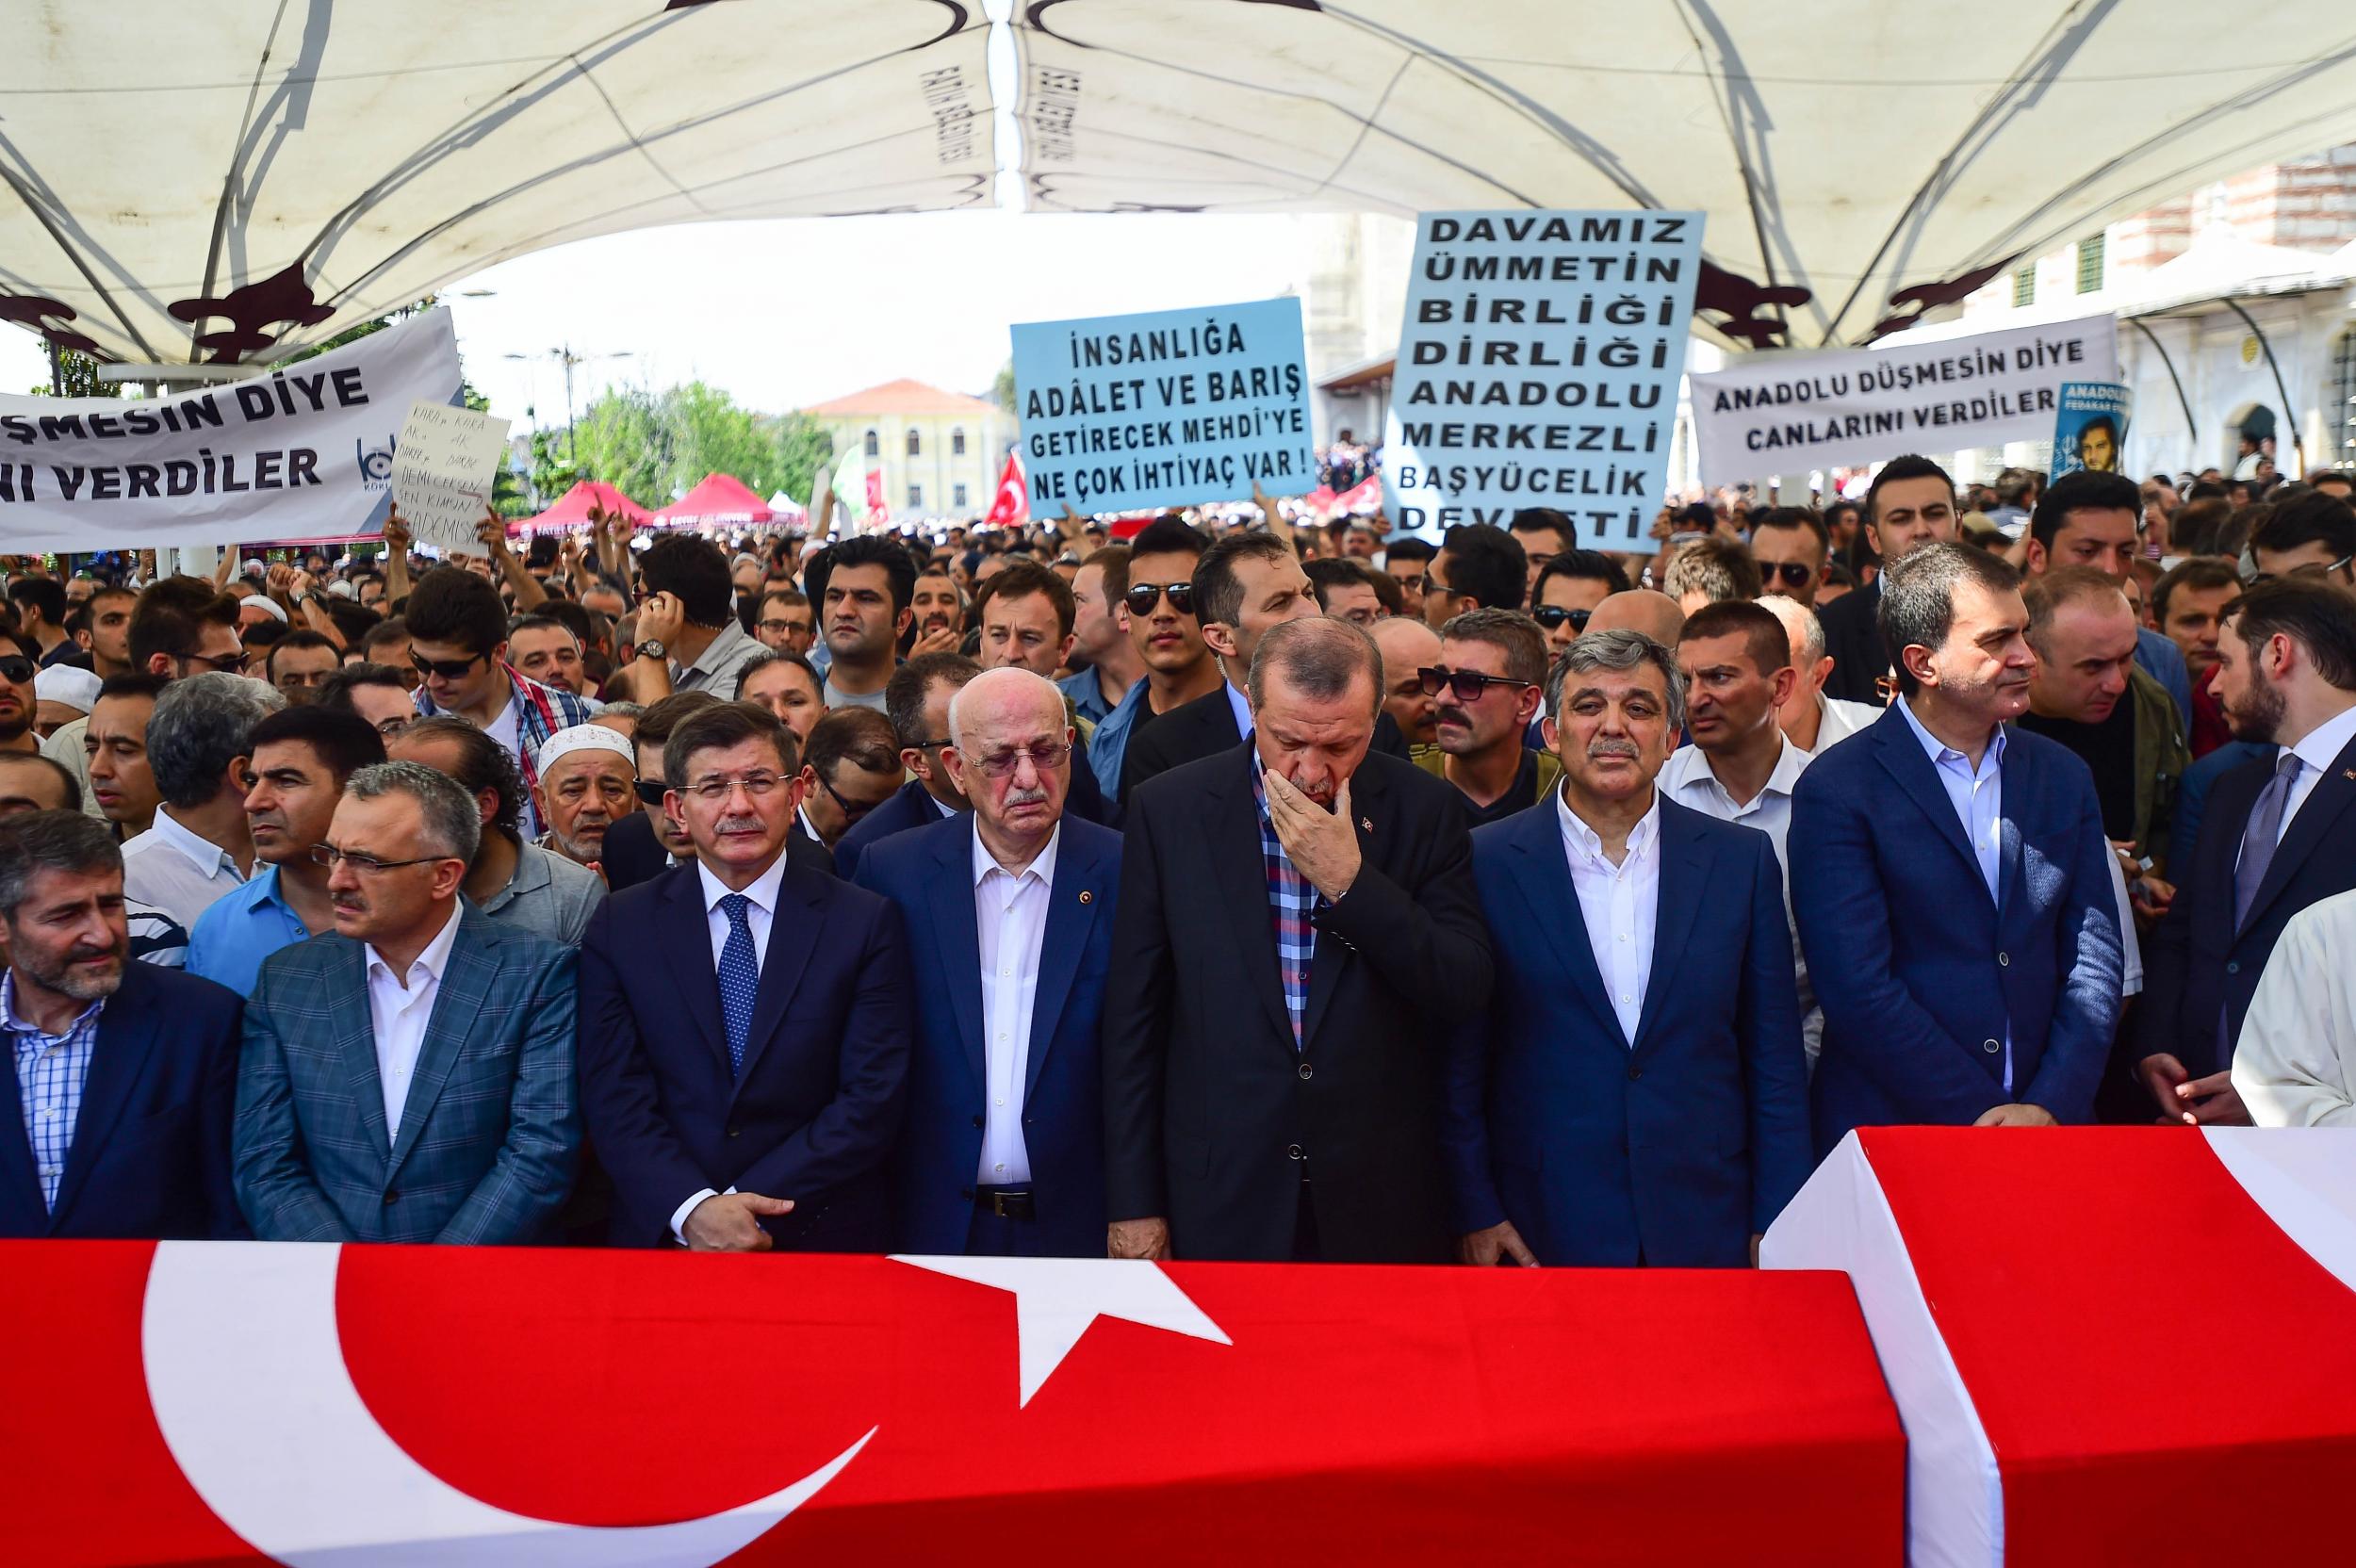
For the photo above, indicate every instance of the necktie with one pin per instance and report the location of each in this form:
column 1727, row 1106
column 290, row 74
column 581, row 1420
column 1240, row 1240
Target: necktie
column 2257, row 839
column 740, row 978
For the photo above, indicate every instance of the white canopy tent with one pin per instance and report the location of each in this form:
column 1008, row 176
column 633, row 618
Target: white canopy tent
column 232, row 181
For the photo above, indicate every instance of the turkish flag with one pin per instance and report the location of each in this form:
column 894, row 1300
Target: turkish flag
column 1012, row 504
column 878, row 510
column 1364, row 496
column 927, row 1410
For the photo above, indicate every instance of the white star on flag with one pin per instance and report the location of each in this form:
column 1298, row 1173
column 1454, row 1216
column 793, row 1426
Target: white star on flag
column 1056, row 1299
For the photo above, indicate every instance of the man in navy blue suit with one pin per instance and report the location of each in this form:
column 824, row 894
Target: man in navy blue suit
column 1009, row 914
column 1636, row 1091
column 1951, row 879
column 743, row 1020
column 118, row 1079
column 917, row 701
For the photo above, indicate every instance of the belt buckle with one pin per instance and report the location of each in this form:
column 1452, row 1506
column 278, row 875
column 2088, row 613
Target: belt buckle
column 1012, row 1205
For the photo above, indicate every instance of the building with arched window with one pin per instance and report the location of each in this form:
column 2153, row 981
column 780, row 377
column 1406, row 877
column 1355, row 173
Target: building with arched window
column 939, row 451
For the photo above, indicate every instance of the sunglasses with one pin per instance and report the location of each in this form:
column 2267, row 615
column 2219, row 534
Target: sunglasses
column 1467, row 684
column 651, row 791
column 851, row 813
column 1793, row 574
column 1552, row 615
column 17, row 670
column 1142, row 596
column 216, row 661
column 449, row 669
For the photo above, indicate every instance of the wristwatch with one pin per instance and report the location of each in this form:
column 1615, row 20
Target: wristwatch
column 651, row 648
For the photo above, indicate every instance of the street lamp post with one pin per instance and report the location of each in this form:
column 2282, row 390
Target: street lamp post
column 566, row 357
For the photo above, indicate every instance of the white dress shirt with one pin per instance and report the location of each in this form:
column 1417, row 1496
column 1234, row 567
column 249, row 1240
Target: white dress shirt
column 1620, row 905
column 2316, row 752
column 1240, row 706
column 1010, row 916
column 1837, row 719
column 400, row 1007
column 760, row 915
column 2295, row 1065
column 1688, row 780
column 170, row 867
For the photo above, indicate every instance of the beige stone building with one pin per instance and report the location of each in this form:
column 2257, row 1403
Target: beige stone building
column 939, row 451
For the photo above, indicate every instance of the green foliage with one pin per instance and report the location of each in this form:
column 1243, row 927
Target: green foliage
column 1001, row 386
column 655, row 447
column 802, row 444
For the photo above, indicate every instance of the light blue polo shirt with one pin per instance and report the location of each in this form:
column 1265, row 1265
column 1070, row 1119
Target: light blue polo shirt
column 243, row 928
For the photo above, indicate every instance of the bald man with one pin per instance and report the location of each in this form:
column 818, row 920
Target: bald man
column 1645, row 610
column 1009, row 911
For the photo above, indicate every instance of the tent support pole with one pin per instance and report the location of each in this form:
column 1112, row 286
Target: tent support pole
column 2290, row 414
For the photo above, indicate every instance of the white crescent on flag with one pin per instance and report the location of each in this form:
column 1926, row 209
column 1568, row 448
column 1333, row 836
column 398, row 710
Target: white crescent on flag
column 1012, row 504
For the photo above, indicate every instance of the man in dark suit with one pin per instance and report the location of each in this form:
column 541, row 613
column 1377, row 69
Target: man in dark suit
column 645, row 844
column 744, row 1023
column 1616, row 1103
column 1009, row 914
column 118, row 1079
column 1297, row 923
column 1912, row 503
column 407, row 1076
column 916, row 699
column 1951, row 884
column 2278, row 835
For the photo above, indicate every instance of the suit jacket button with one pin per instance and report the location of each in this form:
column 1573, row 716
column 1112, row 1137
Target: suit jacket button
column 392, row 1196
column 733, row 1130
column 2232, row 966
column 2004, row 960
column 1991, row 1047
column 1634, row 1073
column 1307, row 1072
column 1292, row 1151
column 978, row 1121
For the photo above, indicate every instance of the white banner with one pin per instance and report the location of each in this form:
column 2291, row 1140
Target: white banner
column 301, row 452
column 1538, row 367
column 1787, row 413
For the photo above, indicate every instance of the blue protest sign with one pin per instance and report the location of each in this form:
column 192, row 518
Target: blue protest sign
column 2090, row 428
column 1164, row 408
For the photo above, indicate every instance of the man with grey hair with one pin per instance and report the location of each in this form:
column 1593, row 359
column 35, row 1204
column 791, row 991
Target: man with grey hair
column 198, row 745
column 1297, row 925
column 409, row 1075
column 124, row 1072
column 1955, row 898
column 1612, row 1105
column 1810, row 719
column 1009, row 1162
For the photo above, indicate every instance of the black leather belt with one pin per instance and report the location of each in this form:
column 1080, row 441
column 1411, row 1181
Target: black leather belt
column 1006, row 1202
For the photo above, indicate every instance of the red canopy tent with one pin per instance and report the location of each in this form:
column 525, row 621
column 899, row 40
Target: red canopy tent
column 572, row 508
column 720, row 499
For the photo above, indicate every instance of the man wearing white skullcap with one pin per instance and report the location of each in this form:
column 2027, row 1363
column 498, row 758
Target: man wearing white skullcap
column 588, row 782
column 62, row 693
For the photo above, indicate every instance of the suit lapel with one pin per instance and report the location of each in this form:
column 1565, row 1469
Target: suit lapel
column 793, row 932
column 1541, row 873
column 16, row 1148
column 1684, row 877
column 1072, row 901
column 684, row 935
column 352, row 1025
column 1902, row 756
column 1370, row 805
column 1240, row 872
column 468, row 973
column 118, row 1058
column 2318, row 814
column 961, row 941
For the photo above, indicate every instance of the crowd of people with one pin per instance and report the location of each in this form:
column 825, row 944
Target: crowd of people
column 1253, row 889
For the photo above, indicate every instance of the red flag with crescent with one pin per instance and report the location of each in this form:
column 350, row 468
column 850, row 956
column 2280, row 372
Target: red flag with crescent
column 1012, row 504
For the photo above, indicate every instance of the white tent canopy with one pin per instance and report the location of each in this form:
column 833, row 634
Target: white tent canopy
column 237, row 179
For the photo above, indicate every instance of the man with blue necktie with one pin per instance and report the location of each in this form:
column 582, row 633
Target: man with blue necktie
column 743, row 1021
column 1004, row 1152
column 1954, row 895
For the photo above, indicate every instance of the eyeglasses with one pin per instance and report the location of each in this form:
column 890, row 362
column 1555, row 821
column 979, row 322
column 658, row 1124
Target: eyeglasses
column 1467, row 684
column 931, row 746
column 449, row 669
column 651, row 791
column 391, row 727
column 1794, row 574
column 715, row 790
column 1553, row 616
column 1142, row 596
column 2312, row 569
column 367, row 865
column 1001, row 764
column 17, row 670
column 214, row 662
column 778, row 629
column 850, row 813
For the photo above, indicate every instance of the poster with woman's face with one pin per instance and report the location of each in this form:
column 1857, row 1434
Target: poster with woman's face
column 2090, row 428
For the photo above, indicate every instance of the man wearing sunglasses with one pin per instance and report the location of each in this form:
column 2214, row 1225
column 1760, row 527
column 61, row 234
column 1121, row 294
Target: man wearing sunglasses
column 1009, row 1161
column 1569, row 589
column 745, row 1022
column 20, row 667
column 1790, row 546
column 1479, row 566
column 407, row 1077
column 1489, row 683
column 458, row 644
column 1244, row 585
column 1179, row 668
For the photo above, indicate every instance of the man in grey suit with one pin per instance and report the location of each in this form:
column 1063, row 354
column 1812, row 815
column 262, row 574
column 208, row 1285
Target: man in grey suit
column 409, row 1076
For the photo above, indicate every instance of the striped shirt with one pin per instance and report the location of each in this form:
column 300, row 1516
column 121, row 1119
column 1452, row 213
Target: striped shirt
column 539, row 712
column 1290, row 901
column 51, row 1070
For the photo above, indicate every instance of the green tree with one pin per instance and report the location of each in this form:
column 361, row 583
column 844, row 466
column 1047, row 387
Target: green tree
column 711, row 434
column 623, row 439
column 1001, row 387
column 802, row 444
